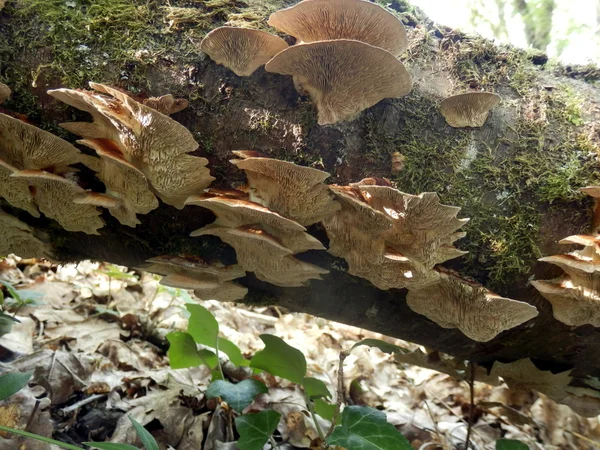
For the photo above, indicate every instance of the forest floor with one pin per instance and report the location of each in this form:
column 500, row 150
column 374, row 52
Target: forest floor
column 95, row 334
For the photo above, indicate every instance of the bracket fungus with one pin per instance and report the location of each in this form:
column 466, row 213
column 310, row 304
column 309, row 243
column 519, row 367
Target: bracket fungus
column 422, row 228
column 267, row 257
column 209, row 281
column 4, row 91
column 18, row 238
column 325, row 20
column 166, row 104
column 575, row 297
column 470, row 109
column 342, row 77
column 233, row 213
column 55, row 196
column 294, row 191
column 124, row 183
column 31, row 164
column 151, row 142
column 481, row 315
column 523, row 374
column 240, row 49
column 391, row 238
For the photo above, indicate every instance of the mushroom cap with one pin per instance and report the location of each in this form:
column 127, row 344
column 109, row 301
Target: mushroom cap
column 291, row 190
column 153, row 143
column 18, row 238
column 572, row 305
column 480, row 314
column 468, row 110
column 15, row 191
column 193, row 267
column 264, row 255
column 4, row 91
column 54, row 196
column 97, row 199
column 123, row 181
column 422, row 228
column 233, row 213
column 27, row 147
column 325, row 20
column 166, row 104
column 523, row 373
column 592, row 191
column 240, row 49
column 343, row 77
column 206, row 287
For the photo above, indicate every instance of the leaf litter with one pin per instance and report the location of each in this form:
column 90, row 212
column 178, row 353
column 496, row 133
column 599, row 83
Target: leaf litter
column 95, row 338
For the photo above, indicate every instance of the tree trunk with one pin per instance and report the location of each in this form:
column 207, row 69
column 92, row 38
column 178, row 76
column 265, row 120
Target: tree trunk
column 517, row 177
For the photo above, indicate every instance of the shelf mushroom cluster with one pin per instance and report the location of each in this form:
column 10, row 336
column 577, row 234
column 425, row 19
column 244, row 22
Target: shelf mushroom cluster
column 575, row 296
column 266, row 225
column 395, row 240
column 143, row 153
column 345, row 57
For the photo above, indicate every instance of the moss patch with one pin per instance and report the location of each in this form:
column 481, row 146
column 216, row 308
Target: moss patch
column 504, row 185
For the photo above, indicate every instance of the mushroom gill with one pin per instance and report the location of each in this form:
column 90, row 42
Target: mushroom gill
column 153, row 143
column 422, row 228
column 325, row 20
column 261, row 253
column 240, row 49
column 4, row 90
column 453, row 302
column 210, row 281
column 19, row 238
column 524, row 374
column 32, row 162
column 166, row 104
column 391, row 238
column 236, row 212
column 575, row 297
column 56, row 195
column 468, row 110
column 294, row 191
column 342, row 77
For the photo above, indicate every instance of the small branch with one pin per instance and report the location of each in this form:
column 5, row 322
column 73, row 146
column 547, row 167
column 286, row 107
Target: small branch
column 341, row 394
column 471, row 382
column 69, row 409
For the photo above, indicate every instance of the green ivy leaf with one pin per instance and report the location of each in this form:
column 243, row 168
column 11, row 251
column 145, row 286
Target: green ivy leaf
column 6, row 323
column 366, row 428
column 183, row 351
column 510, row 444
column 324, row 409
column 231, row 350
column 239, row 395
column 11, row 290
column 315, row 388
column 11, row 383
column 280, row 359
column 202, row 325
column 385, row 347
column 256, row 429
column 110, row 446
column 144, row 435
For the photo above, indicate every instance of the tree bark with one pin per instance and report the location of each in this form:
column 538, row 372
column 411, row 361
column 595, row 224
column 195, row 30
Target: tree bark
column 517, row 177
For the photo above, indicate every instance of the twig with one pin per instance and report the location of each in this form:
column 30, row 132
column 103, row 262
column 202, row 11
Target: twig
column 69, row 409
column 471, row 405
column 30, row 421
column 341, row 395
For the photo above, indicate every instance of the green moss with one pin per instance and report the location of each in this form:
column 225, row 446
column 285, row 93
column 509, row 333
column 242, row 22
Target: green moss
column 503, row 185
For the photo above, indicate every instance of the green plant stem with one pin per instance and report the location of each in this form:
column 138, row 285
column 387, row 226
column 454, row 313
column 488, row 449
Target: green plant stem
column 314, row 418
column 219, row 359
column 40, row 438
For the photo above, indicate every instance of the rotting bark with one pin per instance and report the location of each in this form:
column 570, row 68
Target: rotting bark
column 517, row 177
